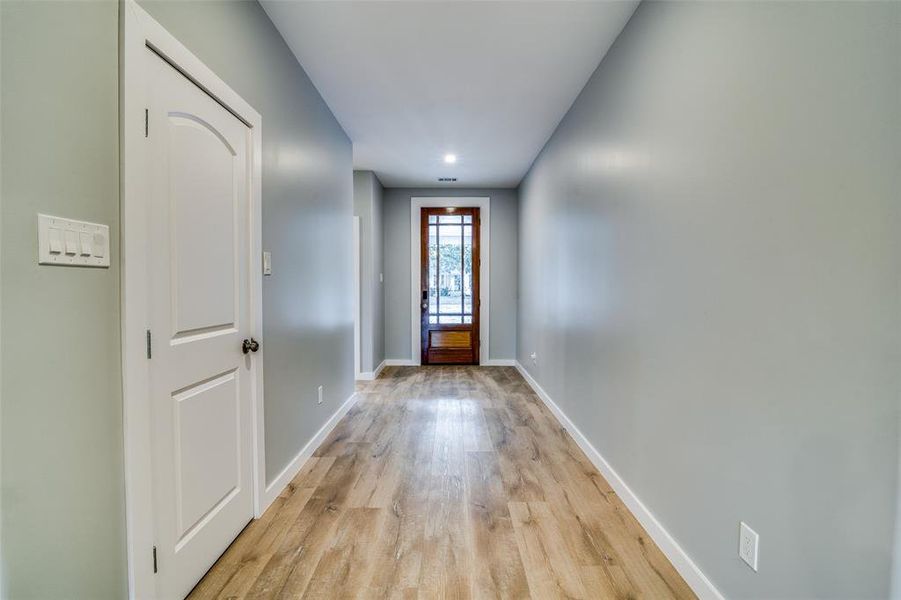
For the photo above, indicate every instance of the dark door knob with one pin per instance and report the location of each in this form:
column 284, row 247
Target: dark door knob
column 250, row 345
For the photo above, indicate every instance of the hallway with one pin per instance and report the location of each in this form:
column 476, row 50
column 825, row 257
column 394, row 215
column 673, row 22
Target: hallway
column 248, row 246
column 445, row 482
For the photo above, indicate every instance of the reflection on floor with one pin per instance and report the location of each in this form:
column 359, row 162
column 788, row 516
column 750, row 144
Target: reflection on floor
column 446, row 482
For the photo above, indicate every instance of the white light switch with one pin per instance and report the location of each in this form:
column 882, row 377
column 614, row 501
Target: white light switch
column 87, row 243
column 71, row 242
column 267, row 263
column 66, row 242
column 100, row 245
column 56, row 240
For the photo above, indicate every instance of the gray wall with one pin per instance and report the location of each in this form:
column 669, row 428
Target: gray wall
column 709, row 273
column 368, row 206
column 307, row 216
column 62, row 486
column 60, row 413
column 503, row 252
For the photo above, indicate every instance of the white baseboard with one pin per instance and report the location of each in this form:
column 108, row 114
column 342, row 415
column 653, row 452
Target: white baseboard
column 499, row 362
column 370, row 375
column 378, row 370
column 400, row 362
column 686, row 567
column 288, row 473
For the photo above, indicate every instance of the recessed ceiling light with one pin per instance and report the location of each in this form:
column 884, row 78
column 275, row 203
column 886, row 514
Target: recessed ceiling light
column 450, row 158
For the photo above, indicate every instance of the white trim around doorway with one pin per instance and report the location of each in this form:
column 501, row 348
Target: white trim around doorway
column 138, row 32
column 484, row 206
column 357, row 301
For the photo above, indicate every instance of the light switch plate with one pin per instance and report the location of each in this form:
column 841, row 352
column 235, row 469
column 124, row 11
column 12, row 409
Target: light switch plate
column 748, row 542
column 70, row 243
column 267, row 263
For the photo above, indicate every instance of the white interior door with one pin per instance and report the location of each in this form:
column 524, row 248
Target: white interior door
column 200, row 380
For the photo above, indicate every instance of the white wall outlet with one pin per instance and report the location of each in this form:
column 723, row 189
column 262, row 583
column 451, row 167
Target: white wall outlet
column 267, row 263
column 320, row 395
column 534, row 357
column 748, row 541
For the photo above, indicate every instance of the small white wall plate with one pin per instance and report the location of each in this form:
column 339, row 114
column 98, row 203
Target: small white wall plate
column 70, row 243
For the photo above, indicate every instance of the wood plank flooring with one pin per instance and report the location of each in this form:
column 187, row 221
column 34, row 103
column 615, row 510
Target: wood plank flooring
column 446, row 482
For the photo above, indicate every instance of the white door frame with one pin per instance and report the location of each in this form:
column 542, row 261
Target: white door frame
column 358, row 358
column 484, row 205
column 139, row 31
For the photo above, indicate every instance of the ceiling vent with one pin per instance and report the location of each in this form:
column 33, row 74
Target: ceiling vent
column 447, row 179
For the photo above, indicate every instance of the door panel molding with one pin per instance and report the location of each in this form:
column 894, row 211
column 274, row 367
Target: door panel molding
column 483, row 203
column 138, row 33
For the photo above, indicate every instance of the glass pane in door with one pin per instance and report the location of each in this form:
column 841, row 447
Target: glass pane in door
column 450, row 269
column 467, row 269
column 433, row 267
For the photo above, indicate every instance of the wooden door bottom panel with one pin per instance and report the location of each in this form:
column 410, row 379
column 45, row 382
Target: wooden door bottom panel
column 440, row 339
column 439, row 356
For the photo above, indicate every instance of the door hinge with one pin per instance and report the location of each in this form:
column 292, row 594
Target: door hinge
column 146, row 122
column 149, row 344
column 154, row 559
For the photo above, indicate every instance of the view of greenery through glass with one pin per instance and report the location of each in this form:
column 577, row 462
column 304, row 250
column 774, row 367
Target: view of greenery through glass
column 450, row 269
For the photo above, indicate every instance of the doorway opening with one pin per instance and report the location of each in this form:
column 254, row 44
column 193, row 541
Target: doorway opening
column 191, row 311
column 481, row 286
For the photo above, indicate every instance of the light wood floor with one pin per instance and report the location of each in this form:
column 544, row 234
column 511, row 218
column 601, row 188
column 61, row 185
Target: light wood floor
column 446, row 482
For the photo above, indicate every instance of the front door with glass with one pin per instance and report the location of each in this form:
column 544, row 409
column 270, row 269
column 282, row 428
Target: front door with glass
column 449, row 259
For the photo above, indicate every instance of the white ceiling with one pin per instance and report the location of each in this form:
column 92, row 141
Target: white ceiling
column 413, row 80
